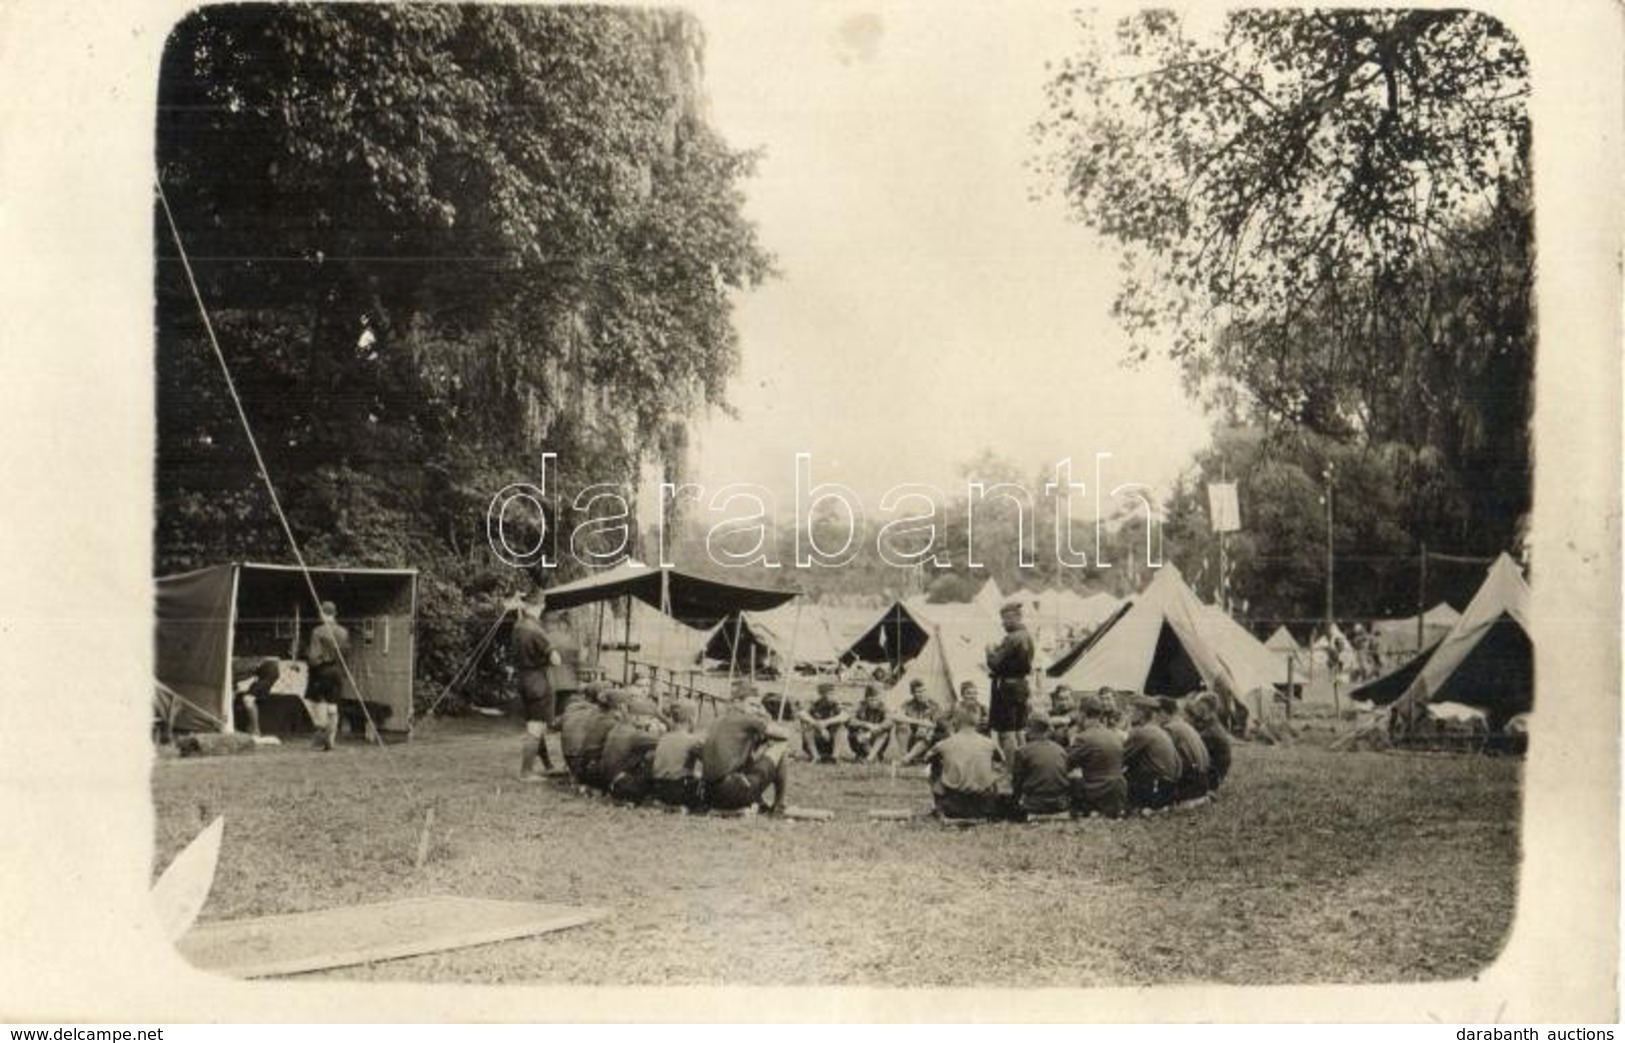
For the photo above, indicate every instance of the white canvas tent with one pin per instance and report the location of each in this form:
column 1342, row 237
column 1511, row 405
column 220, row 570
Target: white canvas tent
column 1169, row 643
column 779, row 639
column 1396, row 638
column 1486, row 660
column 989, row 598
column 955, row 652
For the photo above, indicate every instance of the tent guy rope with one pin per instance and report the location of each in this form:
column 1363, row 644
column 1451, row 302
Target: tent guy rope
column 254, row 446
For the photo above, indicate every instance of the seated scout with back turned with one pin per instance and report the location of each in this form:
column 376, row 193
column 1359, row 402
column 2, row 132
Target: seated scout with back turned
column 674, row 769
column 1095, row 762
column 1038, row 773
column 964, row 779
column 743, row 757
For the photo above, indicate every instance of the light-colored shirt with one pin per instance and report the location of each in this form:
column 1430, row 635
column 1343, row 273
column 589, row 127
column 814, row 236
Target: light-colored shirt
column 966, row 758
column 676, row 754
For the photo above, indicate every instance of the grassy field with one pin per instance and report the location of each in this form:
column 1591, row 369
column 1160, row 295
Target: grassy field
column 1314, row 867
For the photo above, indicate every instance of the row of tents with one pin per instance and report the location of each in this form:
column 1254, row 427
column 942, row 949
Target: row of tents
column 1164, row 640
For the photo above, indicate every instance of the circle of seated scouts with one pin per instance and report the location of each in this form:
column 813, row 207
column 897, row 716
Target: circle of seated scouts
column 1106, row 754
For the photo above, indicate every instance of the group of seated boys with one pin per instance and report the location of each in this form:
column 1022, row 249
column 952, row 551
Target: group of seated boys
column 619, row 742
column 1077, row 760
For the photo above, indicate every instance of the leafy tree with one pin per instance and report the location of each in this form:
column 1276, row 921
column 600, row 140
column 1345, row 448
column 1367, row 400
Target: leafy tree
column 435, row 240
column 1325, row 216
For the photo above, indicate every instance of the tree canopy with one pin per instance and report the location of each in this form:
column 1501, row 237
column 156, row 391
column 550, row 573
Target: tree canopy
column 434, row 240
column 1325, row 218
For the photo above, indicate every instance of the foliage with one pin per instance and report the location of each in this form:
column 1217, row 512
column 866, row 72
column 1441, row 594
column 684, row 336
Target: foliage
column 1325, row 216
column 434, row 240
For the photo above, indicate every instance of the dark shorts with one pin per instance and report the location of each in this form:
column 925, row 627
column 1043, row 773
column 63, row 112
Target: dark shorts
column 824, row 741
column 1107, row 799
column 740, row 789
column 961, row 804
column 584, row 769
column 864, row 741
column 1008, row 709
column 630, row 786
column 1191, row 785
column 679, row 793
column 326, row 683
column 1148, row 790
column 1046, row 805
column 537, row 695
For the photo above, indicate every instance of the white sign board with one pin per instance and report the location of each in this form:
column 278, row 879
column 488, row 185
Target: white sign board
column 1222, row 507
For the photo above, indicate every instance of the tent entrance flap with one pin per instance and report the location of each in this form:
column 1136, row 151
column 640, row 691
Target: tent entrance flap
column 215, row 625
column 1172, row 671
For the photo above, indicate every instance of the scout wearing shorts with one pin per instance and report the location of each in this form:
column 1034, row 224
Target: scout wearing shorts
column 743, row 756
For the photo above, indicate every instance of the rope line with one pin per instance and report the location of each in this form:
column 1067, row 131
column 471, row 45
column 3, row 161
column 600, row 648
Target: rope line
column 259, row 460
column 465, row 671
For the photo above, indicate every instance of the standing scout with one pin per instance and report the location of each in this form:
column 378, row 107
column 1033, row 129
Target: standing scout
column 533, row 654
column 328, row 644
column 1008, row 663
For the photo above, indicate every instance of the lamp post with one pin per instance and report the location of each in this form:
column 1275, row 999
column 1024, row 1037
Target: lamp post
column 1331, row 646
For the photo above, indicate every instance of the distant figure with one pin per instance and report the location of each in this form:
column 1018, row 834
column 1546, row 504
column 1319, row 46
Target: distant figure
column 1191, row 788
column 821, row 725
column 533, row 655
column 674, row 769
column 743, row 756
column 1038, row 774
column 1008, row 664
column 329, row 642
column 916, row 722
column 964, row 780
column 1095, row 762
column 1151, row 763
column 869, row 727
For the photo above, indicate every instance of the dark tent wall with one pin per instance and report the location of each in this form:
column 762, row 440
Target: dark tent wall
column 1497, row 676
column 895, row 637
column 211, row 619
column 192, row 644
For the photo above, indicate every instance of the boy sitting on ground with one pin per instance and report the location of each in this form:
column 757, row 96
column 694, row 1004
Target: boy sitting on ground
column 869, row 727
column 1038, row 774
column 624, row 763
column 594, row 733
column 1204, row 714
column 964, row 780
column 742, row 757
column 1095, row 762
column 1191, row 789
column 674, row 768
column 1151, row 763
column 1062, row 707
column 573, row 724
column 822, row 725
column 916, row 722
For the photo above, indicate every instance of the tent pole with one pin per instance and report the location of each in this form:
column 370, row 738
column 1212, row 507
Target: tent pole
column 598, row 643
column 626, row 645
column 1421, row 599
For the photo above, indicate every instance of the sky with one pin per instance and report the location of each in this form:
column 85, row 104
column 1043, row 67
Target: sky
column 929, row 307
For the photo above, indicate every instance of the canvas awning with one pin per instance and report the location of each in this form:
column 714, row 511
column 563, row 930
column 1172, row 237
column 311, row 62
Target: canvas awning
column 688, row 598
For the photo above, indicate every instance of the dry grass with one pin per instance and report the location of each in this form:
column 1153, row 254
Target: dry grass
column 1315, row 867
